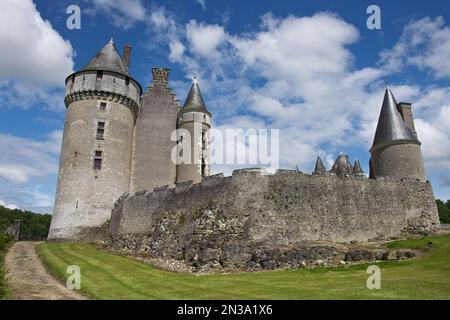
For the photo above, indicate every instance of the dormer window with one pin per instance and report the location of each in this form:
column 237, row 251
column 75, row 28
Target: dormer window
column 99, row 75
column 127, row 81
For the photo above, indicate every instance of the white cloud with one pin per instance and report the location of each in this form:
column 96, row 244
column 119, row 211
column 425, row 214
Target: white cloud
column 424, row 43
column 31, row 49
column 204, row 39
column 176, row 51
column 297, row 74
column 123, row 13
column 25, row 95
column 22, row 159
column 8, row 205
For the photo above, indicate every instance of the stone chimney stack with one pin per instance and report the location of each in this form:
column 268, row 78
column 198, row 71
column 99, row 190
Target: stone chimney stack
column 405, row 110
column 127, row 55
column 160, row 75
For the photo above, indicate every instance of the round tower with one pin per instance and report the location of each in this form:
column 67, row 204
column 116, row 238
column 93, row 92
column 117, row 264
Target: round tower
column 194, row 122
column 396, row 149
column 102, row 103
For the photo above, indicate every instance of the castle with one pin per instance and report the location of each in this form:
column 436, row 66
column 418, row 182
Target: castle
column 117, row 170
column 118, row 139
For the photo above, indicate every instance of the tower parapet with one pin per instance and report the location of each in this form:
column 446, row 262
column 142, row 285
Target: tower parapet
column 105, row 77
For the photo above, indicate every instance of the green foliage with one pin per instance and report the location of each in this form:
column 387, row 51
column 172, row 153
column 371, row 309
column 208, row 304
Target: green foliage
column 109, row 276
column 4, row 241
column 34, row 226
column 444, row 210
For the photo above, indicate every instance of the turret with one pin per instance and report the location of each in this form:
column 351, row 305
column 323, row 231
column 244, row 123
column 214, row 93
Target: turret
column 102, row 101
column 342, row 166
column 357, row 170
column 319, row 167
column 194, row 124
column 396, row 148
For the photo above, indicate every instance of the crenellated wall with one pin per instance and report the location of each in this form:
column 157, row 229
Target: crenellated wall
column 244, row 220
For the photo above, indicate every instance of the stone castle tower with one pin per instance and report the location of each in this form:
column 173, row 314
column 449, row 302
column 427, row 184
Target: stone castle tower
column 118, row 139
column 396, row 149
column 195, row 121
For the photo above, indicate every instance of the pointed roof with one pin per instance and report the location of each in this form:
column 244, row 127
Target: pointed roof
column 390, row 128
column 342, row 166
column 357, row 170
column 194, row 100
column 320, row 167
column 108, row 59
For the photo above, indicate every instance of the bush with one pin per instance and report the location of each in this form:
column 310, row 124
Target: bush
column 444, row 210
column 34, row 226
column 4, row 239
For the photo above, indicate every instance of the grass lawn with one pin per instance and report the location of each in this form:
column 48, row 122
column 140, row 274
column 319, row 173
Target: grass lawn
column 108, row 276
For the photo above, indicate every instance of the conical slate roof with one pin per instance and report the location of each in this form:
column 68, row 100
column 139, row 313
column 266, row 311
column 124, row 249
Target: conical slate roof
column 390, row 128
column 108, row 59
column 342, row 166
column 194, row 100
column 357, row 170
column 320, row 167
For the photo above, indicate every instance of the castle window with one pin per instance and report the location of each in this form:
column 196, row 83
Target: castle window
column 102, row 106
column 99, row 75
column 203, row 139
column 203, row 167
column 127, row 81
column 100, row 130
column 98, row 160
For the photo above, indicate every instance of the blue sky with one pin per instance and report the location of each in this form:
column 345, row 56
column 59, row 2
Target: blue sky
column 309, row 68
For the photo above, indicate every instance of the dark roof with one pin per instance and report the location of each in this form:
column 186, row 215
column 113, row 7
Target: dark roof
column 194, row 100
column 390, row 128
column 108, row 59
column 342, row 166
column 357, row 170
column 320, row 167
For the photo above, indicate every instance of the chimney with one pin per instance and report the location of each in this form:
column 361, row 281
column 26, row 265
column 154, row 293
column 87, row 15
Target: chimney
column 127, row 54
column 405, row 110
column 160, row 75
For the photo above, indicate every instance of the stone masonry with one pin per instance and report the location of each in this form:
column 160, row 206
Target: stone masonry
column 254, row 220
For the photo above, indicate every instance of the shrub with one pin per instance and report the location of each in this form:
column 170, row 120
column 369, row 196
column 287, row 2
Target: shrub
column 444, row 210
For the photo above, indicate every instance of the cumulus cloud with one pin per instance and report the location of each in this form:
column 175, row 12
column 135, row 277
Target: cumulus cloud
column 35, row 59
column 425, row 43
column 22, row 159
column 204, row 39
column 31, row 49
column 297, row 74
column 123, row 13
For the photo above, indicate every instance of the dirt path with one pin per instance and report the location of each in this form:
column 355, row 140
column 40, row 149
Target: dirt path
column 29, row 279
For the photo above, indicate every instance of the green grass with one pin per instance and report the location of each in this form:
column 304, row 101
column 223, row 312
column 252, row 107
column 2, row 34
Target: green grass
column 108, row 276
